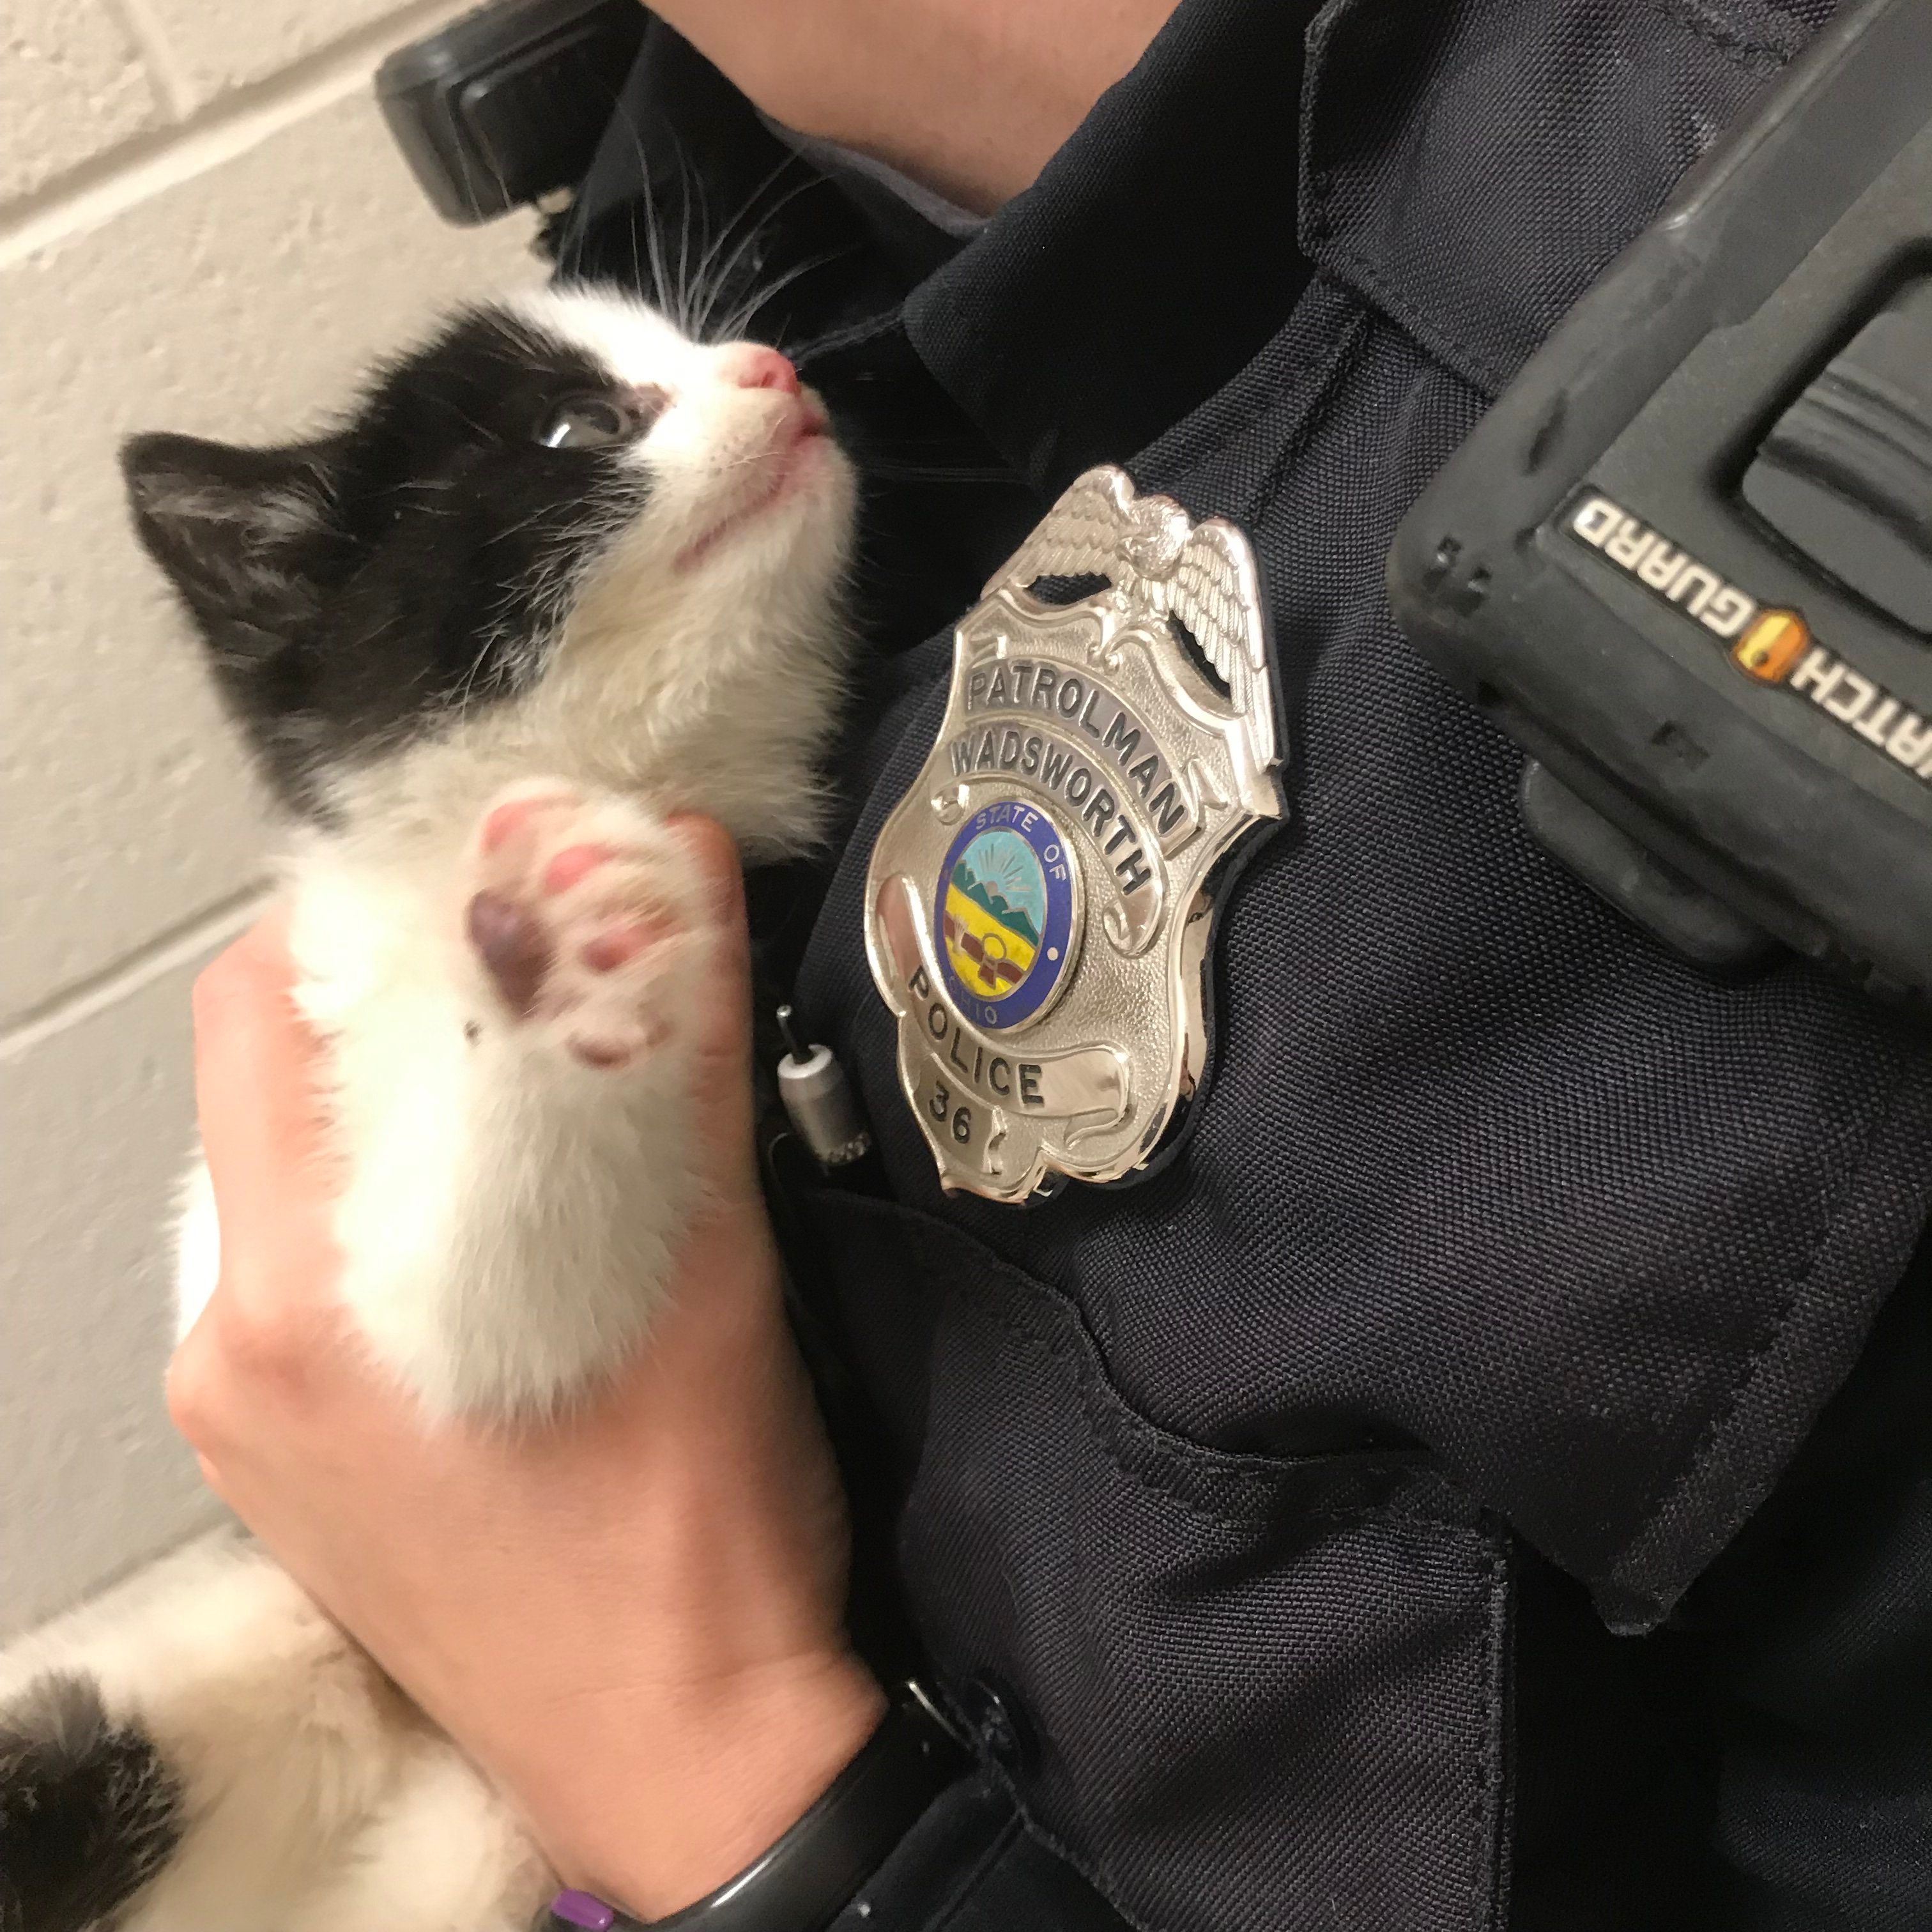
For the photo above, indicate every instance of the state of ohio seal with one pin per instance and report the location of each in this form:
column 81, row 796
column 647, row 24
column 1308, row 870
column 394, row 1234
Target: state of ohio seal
column 1039, row 905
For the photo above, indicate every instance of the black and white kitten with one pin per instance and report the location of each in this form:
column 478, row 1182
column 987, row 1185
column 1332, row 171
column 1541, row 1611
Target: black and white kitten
column 565, row 570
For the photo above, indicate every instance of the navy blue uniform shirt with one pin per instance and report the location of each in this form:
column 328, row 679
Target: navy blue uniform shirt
column 1480, row 1478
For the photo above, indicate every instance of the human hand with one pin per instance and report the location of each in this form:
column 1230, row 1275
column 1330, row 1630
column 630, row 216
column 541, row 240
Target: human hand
column 632, row 1619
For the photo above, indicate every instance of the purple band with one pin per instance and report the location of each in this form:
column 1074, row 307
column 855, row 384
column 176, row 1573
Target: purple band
column 579, row 1908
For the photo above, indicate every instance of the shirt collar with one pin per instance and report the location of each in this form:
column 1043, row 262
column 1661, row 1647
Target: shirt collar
column 1154, row 256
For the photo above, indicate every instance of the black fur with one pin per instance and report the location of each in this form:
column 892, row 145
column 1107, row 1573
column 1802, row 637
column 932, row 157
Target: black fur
column 89, row 1812
column 353, row 589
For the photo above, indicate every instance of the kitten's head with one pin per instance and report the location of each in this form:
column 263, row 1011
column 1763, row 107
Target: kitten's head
column 560, row 489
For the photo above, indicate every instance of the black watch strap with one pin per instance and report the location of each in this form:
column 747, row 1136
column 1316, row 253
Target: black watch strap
column 804, row 1881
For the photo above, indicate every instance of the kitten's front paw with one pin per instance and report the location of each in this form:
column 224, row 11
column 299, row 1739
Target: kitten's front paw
column 581, row 912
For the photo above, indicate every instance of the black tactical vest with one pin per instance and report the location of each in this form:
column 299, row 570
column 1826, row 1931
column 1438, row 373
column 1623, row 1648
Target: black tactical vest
column 1506, row 1262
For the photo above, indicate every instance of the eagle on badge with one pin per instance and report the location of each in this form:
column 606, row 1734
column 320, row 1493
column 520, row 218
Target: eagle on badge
column 1039, row 904
column 1201, row 575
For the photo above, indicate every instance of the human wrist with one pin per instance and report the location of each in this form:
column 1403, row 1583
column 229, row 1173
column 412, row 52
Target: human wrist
column 715, row 1775
column 808, row 1877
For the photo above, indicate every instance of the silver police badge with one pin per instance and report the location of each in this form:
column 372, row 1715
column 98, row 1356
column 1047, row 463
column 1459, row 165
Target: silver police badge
column 1038, row 906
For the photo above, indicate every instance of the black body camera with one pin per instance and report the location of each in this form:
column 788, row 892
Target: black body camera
column 507, row 104
column 1686, row 561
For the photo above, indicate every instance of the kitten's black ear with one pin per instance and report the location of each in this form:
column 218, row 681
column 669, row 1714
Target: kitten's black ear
column 243, row 534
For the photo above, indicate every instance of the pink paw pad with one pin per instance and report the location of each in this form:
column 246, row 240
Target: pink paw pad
column 502, row 822
column 578, row 913
column 573, row 863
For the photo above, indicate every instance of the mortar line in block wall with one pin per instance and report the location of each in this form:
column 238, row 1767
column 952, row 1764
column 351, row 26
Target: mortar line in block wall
column 84, row 998
column 120, row 178
column 171, row 81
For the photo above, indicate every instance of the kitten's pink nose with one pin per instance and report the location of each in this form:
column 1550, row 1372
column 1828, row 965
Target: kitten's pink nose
column 766, row 369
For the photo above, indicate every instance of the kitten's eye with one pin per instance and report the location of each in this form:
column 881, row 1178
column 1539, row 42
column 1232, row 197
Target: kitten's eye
column 597, row 422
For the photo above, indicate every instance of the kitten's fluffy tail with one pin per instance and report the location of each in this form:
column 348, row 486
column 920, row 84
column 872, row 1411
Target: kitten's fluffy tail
column 89, row 1812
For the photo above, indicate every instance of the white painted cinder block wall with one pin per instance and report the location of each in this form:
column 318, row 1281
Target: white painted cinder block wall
column 203, row 227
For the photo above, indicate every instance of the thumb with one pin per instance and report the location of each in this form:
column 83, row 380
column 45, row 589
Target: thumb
column 721, row 1012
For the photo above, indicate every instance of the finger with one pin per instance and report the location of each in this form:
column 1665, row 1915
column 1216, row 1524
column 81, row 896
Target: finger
column 721, row 1072
column 715, row 860
column 255, row 1077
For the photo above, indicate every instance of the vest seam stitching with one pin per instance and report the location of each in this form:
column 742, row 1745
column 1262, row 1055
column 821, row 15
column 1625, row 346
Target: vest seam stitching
column 1717, row 1424
column 1492, row 1773
column 1105, row 1428
column 1342, row 364
column 1481, row 1557
column 1733, row 43
column 1352, row 271
column 975, row 1876
column 1326, row 248
column 1093, row 1871
column 1324, row 368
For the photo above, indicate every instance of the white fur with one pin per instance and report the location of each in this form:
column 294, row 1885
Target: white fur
column 509, row 1212
column 305, row 1771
